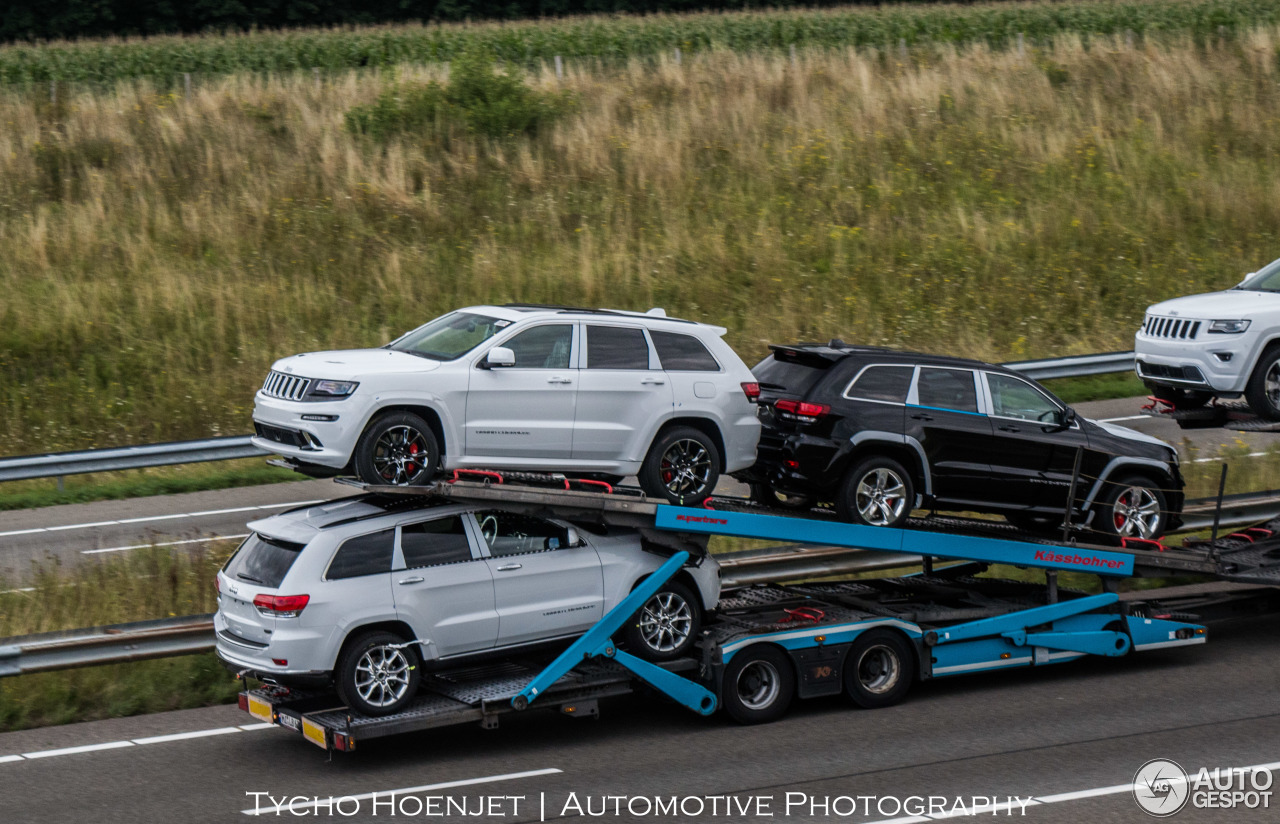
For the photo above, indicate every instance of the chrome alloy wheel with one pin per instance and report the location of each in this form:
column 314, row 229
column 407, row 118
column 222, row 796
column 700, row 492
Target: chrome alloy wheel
column 878, row 669
column 1271, row 384
column 665, row 622
column 685, row 468
column 382, row 676
column 400, row 455
column 881, row 497
column 1136, row 513
column 758, row 685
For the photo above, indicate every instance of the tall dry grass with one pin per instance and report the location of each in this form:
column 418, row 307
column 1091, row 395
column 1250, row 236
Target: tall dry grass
column 158, row 252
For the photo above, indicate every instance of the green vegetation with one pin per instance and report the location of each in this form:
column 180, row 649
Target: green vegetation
column 130, row 587
column 140, row 483
column 162, row 251
column 1097, row 387
column 622, row 37
column 477, row 99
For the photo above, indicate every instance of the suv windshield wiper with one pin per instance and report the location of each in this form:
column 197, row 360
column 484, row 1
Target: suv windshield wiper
column 248, row 578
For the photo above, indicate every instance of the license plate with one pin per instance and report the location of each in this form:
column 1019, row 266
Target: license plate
column 260, row 709
column 315, row 733
column 290, row 721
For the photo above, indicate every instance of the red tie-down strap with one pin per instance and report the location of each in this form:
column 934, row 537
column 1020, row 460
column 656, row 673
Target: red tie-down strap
column 496, row 477
column 1142, row 543
column 802, row 614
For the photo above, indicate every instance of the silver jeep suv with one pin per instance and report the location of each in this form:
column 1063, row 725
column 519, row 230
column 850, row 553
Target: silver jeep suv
column 363, row 592
column 519, row 387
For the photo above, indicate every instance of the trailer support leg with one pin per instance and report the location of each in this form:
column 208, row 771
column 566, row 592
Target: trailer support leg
column 598, row 642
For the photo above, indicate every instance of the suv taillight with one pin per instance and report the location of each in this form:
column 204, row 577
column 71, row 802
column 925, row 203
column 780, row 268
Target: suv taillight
column 752, row 391
column 281, row 606
column 803, row 411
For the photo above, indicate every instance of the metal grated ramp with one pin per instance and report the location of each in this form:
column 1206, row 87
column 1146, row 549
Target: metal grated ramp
column 425, row 706
column 477, row 686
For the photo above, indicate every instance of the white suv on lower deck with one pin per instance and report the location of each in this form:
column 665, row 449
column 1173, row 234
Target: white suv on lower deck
column 1220, row 344
column 521, row 387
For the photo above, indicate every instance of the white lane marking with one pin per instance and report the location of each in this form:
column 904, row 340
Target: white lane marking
column 1221, row 458
column 1039, row 800
column 183, row 736
column 1127, row 418
column 166, row 543
column 466, row 782
column 115, row 745
column 150, row 518
column 110, row 745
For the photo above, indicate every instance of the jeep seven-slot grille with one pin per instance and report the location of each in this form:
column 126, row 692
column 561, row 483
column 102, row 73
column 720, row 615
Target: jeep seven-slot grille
column 1172, row 328
column 288, row 387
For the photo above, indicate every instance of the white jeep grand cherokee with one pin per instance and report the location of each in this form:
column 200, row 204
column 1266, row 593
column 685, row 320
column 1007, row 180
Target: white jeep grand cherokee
column 521, row 387
column 1220, row 344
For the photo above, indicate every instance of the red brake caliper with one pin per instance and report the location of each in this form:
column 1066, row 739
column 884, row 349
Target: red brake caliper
column 667, row 474
column 413, row 450
column 1120, row 519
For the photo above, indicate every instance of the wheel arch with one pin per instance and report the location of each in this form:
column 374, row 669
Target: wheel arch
column 706, row 426
column 907, row 452
column 427, row 413
column 1148, row 468
column 395, row 627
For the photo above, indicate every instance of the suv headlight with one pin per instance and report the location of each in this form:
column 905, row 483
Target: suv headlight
column 1228, row 327
column 332, row 389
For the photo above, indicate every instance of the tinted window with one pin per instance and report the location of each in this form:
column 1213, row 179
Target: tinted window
column 787, row 376
column 612, row 347
column 882, row 383
column 1012, row 398
column 682, row 353
column 510, row 534
column 365, row 555
column 543, row 347
column 262, row 561
column 442, row 541
column 947, row 389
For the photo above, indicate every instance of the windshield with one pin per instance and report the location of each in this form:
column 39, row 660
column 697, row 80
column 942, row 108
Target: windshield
column 1266, row 279
column 449, row 336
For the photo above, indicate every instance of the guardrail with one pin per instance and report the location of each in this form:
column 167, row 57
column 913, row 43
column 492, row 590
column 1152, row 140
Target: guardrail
column 106, row 645
column 60, row 464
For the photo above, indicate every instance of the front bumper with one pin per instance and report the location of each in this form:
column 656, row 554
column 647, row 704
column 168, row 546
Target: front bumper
column 1195, row 364
column 281, row 429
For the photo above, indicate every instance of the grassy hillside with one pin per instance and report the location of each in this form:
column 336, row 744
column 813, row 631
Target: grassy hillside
column 159, row 251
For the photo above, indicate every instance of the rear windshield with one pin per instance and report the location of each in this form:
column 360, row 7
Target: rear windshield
column 263, row 561
column 788, row 377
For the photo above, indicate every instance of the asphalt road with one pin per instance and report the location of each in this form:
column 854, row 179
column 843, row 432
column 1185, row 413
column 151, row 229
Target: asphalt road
column 70, row 534
column 1059, row 735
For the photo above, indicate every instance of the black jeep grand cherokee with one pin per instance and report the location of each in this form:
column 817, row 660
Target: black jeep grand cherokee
column 881, row 432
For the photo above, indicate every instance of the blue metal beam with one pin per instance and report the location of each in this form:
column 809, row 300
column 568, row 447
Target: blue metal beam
column 1020, row 620
column 598, row 641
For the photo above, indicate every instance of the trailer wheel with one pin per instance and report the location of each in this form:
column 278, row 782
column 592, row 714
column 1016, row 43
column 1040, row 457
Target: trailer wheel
column 758, row 685
column 879, row 669
column 377, row 674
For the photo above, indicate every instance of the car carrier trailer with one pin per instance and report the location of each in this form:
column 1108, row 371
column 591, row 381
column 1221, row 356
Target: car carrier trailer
column 767, row 644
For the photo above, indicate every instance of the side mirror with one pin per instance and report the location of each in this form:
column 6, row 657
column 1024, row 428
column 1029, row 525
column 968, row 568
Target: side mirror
column 1065, row 419
column 499, row 356
column 571, row 535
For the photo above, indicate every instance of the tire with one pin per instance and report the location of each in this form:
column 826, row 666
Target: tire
column 397, row 449
column 878, row 491
column 1180, row 398
column 767, row 496
column 879, row 669
column 682, row 467
column 1263, row 389
column 1130, row 492
column 668, row 624
column 356, row 674
column 758, row 685
column 1040, row 524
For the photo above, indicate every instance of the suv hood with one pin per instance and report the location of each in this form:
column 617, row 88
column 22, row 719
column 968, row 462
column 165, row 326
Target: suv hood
column 1129, row 434
column 353, row 364
column 1233, row 303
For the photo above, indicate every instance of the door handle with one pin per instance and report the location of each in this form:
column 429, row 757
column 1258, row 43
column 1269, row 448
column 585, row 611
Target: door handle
column 653, row 381
column 1008, row 429
column 417, row 579
column 559, row 380
column 508, row 567
column 921, row 417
